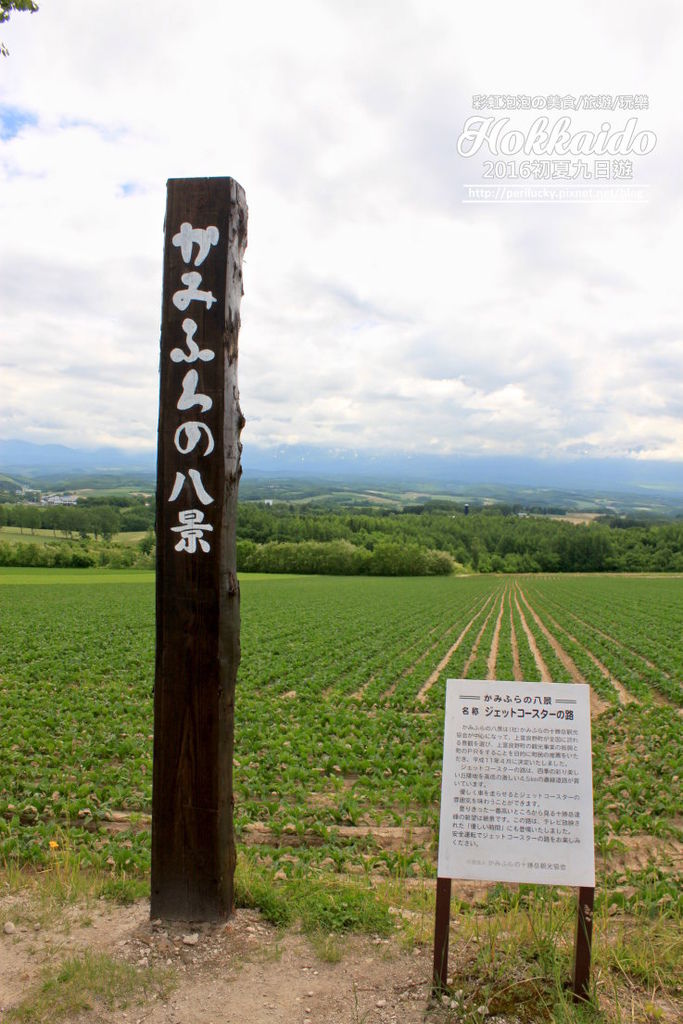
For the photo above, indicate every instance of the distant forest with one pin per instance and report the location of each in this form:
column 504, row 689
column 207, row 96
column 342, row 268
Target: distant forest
column 291, row 538
column 431, row 539
column 99, row 516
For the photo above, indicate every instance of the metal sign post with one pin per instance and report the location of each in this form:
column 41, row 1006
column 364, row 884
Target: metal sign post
column 582, row 943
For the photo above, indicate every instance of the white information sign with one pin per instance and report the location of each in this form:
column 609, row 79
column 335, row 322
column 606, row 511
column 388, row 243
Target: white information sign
column 517, row 785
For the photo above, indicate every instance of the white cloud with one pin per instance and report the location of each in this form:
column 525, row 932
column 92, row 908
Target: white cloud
column 379, row 310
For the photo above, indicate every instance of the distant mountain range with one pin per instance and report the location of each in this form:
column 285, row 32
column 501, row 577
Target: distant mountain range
column 24, row 458
column 610, row 475
column 29, row 461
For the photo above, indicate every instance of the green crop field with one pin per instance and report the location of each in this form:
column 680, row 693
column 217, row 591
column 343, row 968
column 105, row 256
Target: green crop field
column 339, row 717
column 339, row 707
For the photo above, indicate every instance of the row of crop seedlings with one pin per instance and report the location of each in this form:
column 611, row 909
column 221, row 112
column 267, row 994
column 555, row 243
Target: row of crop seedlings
column 527, row 662
column 400, row 668
column 332, row 649
column 37, row 645
column 626, row 664
column 454, row 669
column 645, row 622
column 409, row 685
column 644, row 612
column 422, row 623
column 391, row 761
column 478, row 668
column 558, row 672
column 400, row 777
column 504, row 668
column 296, row 759
column 463, row 603
column 484, row 621
column 632, row 752
column 426, row 648
column 77, row 718
column 577, row 651
column 656, row 638
column 321, row 754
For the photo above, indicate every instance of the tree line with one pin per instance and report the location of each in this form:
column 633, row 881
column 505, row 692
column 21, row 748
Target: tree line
column 310, row 538
column 487, row 540
column 80, row 554
column 101, row 517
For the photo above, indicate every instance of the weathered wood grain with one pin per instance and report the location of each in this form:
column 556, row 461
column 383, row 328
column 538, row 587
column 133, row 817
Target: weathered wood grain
column 197, row 594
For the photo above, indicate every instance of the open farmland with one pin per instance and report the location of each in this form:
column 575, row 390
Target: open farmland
column 340, row 703
column 339, row 718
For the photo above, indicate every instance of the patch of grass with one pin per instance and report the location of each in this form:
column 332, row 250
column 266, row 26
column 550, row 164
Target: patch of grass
column 125, row 890
column 342, row 907
column 413, row 910
column 646, row 953
column 64, row 883
column 516, row 964
column 254, row 889
column 63, row 879
column 90, row 981
column 328, row 906
column 129, row 537
column 652, row 892
column 326, row 946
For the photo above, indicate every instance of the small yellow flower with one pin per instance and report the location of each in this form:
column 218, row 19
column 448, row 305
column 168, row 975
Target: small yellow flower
column 54, row 845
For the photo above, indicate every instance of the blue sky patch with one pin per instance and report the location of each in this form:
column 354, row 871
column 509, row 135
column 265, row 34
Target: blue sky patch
column 13, row 119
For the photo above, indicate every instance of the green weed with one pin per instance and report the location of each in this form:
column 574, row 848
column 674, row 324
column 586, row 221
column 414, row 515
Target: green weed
column 90, row 981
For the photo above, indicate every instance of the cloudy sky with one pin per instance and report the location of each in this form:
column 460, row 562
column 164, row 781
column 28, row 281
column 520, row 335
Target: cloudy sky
column 381, row 312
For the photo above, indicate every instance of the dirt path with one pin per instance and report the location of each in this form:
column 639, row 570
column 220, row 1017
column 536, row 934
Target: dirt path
column 493, row 653
column 558, row 650
column 386, row 837
column 358, row 694
column 531, row 640
column 245, row 971
column 427, row 685
column 241, row 972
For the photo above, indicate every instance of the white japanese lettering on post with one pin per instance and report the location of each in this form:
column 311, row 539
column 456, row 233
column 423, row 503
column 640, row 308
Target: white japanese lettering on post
column 193, row 432
column 190, row 395
column 517, row 793
column 189, row 236
column 199, row 488
column 193, row 351
column 192, row 292
column 192, row 528
column 191, row 524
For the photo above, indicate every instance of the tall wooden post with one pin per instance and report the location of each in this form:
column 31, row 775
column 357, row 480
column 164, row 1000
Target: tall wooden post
column 197, row 594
